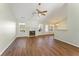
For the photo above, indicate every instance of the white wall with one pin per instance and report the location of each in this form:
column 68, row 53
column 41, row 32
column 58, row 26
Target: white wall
column 7, row 27
column 23, row 13
column 70, row 36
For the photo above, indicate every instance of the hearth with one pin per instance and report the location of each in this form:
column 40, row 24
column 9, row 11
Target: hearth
column 31, row 33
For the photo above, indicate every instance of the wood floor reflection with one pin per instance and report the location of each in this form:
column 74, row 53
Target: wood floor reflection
column 40, row 46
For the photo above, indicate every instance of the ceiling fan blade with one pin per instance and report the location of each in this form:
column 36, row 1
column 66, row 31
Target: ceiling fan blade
column 41, row 11
column 43, row 14
column 38, row 10
column 44, row 11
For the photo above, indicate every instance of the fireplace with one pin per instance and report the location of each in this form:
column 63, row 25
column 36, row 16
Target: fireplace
column 31, row 33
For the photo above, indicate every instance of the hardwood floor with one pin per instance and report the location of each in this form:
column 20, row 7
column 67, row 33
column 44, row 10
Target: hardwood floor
column 40, row 46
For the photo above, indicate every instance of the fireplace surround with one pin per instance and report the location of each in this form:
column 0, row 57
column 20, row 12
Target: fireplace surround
column 31, row 33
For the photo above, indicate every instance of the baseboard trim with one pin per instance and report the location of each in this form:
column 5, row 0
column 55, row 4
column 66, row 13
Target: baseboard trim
column 67, row 42
column 7, row 47
column 36, row 36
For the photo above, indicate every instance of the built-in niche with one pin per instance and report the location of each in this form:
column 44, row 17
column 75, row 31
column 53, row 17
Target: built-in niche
column 40, row 27
column 46, row 28
column 51, row 27
column 22, row 27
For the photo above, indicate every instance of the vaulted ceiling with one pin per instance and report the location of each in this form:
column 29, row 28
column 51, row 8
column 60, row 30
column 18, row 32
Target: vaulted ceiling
column 23, row 12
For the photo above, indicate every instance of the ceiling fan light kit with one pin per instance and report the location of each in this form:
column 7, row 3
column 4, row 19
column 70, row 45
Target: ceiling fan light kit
column 39, row 11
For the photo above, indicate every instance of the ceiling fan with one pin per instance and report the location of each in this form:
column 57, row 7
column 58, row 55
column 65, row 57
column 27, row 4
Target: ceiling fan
column 41, row 12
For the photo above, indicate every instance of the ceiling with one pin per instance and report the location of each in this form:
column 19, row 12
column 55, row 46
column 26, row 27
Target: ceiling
column 23, row 11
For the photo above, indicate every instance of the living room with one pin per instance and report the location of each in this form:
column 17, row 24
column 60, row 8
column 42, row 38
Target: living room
column 39, row 29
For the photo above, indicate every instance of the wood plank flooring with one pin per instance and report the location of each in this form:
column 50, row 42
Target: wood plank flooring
column 40, row 46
